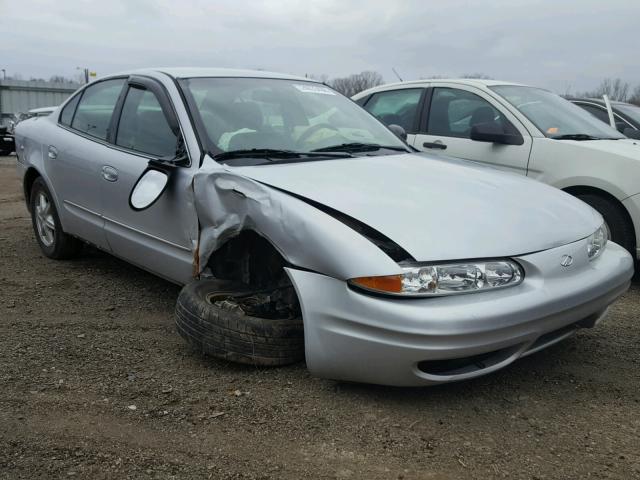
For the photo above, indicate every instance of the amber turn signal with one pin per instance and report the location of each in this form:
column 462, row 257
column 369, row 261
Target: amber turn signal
column 390, row 283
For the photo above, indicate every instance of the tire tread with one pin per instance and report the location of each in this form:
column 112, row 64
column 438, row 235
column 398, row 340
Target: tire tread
column 232, row 335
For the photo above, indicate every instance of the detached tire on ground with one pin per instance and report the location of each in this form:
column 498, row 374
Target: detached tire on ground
column 620, row 229
column 211, row 315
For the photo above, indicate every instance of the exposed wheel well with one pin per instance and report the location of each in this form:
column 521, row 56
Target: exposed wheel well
column 29, row 177
column 583, row 190
column 251, row 259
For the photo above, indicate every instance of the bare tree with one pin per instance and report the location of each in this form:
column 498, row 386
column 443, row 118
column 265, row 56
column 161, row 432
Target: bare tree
column 356, row 83
column 615, row 88
column 477, row 75
column 434, row 77
column 60, row 79
column 635, row 96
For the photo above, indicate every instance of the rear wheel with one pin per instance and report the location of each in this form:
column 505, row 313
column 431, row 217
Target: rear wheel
column 53, row 242
column 234, row 322
column 619, row 227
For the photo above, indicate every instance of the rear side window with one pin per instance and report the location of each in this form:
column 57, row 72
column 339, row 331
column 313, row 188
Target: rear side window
column 96, row 107
column 143, row 126
column 396, row 107
column 69, row 109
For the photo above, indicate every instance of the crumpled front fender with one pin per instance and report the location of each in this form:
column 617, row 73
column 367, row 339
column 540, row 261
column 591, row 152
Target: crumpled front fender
column 228, row 203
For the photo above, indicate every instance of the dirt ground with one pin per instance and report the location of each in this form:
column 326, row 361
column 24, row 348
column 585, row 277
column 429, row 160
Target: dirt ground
column 95, row 383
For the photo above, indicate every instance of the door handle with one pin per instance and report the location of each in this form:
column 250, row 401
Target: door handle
column 437, row 145
column 109, row 173
column 53, row 152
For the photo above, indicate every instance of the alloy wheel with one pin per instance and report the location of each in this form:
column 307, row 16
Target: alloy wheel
column 44, row 219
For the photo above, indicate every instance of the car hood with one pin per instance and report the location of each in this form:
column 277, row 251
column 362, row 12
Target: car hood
column 438, row 209
column 624, row 147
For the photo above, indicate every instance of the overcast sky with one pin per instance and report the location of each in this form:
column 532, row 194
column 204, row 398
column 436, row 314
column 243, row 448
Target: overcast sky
column 554, row 44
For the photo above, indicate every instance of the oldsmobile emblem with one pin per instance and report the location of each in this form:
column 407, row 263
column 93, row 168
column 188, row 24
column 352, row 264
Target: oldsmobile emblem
column 566, row 261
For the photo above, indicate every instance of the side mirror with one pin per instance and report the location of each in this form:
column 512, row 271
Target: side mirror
column 398, row 131
column 148, row 189
column 493, row 133
column 631, row 133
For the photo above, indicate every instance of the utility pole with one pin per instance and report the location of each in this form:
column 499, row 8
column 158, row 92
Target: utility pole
column 85, row 74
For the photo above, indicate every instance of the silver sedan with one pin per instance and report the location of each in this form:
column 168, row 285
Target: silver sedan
column 303, row 227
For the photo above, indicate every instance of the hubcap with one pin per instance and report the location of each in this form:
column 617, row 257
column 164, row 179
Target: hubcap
column 44, row 219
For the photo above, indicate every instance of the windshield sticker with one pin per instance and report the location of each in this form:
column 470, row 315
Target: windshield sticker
column 314, row 89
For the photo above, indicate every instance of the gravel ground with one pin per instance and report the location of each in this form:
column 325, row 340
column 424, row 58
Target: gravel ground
column 95, row 383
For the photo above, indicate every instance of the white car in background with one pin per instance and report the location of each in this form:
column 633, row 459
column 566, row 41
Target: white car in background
column 525, row 130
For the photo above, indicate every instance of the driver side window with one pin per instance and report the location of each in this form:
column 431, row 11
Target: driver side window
column 143, row 126
column 454, row 112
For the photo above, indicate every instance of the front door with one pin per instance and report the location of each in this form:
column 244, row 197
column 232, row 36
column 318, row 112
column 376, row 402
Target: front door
column 450, row 115
column 162, row 237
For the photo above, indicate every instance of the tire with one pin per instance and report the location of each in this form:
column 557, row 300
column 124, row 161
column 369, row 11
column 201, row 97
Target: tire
column 52, row 240
column 209, row 320
column 620, row 229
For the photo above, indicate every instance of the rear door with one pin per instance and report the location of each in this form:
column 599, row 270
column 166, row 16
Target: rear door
column 74, row 161
column 162, row 237
column 398, row 107
column 449, row 114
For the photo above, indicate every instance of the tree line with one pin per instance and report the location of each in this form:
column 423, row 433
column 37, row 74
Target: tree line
column 616, row 88
column 52, row 78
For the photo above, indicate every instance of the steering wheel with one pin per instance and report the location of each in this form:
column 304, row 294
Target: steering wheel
column 313, row 129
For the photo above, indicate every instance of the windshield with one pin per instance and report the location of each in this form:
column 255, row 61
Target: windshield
column 630, row 111
column 554, row 116
column 240, row 114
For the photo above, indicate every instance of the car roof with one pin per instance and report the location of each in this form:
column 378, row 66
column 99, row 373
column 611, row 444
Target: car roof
column 473, row 82
column 198, row 72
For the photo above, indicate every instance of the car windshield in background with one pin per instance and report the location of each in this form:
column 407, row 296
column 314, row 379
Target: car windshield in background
column 554, row 116
column 630, row 111
column 283, row 119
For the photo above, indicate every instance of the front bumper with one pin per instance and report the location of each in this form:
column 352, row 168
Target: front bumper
column 358, row 337
column 632, row 204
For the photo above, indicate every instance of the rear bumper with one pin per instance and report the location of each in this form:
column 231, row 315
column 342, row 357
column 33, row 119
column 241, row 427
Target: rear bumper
column 353, row 336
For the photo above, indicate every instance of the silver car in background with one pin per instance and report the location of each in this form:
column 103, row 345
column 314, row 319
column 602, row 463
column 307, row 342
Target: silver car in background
column 337, row 240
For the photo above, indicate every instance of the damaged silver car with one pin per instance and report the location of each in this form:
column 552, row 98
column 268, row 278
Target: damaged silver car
column 304, row 228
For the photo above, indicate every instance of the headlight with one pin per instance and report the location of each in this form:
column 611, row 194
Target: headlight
column 597, row 242
column 446, row 279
